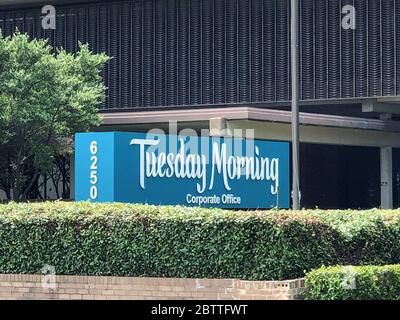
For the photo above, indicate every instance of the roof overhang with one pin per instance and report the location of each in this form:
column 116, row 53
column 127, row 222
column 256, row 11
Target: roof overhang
column 246, row 113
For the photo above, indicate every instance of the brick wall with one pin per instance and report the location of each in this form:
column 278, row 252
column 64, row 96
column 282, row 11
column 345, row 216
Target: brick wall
column 111, row 288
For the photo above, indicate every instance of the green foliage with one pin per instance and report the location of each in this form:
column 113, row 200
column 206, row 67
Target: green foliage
column 354, row 283
column 366, row 237
column 45, row 98
column 140, row 240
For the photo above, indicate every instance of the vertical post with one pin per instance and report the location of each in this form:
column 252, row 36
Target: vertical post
column 386, row 178
column 218, row 127
column 295, row 103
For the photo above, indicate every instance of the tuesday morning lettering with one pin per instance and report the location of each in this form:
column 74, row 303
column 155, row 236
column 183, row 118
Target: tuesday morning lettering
column 194, row 166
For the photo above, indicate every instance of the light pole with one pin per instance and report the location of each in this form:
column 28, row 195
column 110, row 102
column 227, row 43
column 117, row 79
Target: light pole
column 294, row 34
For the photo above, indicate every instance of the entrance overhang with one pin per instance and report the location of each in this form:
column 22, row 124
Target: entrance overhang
column 247, row 114
column 269, row 124
column 318, row 134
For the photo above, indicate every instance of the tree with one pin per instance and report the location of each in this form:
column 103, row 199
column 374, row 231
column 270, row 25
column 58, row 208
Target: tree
column 45, row 97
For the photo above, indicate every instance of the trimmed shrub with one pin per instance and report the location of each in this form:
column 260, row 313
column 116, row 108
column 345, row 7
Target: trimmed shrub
column 354, row 283
column 367, row 237
column 139, row 240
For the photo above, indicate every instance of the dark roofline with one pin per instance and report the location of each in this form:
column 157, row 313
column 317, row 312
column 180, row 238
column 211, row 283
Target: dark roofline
column 9, row 4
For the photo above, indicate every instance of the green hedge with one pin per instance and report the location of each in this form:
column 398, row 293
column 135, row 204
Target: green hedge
column 139, row 240
column 354, row 283
column 367, row 237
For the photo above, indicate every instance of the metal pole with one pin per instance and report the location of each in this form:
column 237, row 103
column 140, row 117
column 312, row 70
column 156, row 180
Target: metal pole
column 295, row 103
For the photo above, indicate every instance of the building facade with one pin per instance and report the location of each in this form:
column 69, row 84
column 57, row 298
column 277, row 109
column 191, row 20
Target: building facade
column 225, row 64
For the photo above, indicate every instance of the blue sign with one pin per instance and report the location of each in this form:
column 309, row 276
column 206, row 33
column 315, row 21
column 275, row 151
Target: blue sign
column 181, row 170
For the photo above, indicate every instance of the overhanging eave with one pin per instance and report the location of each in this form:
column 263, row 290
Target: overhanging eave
column 246, row 113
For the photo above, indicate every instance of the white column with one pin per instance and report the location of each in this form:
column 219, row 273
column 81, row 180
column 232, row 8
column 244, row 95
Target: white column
column 386, row 178
column 218, row 127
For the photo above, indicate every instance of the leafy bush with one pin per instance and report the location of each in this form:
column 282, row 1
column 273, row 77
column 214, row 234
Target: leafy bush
column 367, row 237
column 141, row 240
column 45, row 97
column 354, row 283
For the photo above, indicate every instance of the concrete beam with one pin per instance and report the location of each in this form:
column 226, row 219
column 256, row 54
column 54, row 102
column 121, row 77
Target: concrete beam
column 389, row 99
column 318, row 135
column 381, row 107
column 245, row 113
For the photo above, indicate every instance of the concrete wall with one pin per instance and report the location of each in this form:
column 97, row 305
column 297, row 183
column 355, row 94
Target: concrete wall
column 29, row 287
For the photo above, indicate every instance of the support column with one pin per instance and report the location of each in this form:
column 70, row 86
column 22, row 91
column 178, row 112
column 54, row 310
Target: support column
column 218, row 127
column 386, row 178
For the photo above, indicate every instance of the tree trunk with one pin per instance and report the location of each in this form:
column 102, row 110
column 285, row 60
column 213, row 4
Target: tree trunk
column 24, row 194
column 17, row 188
